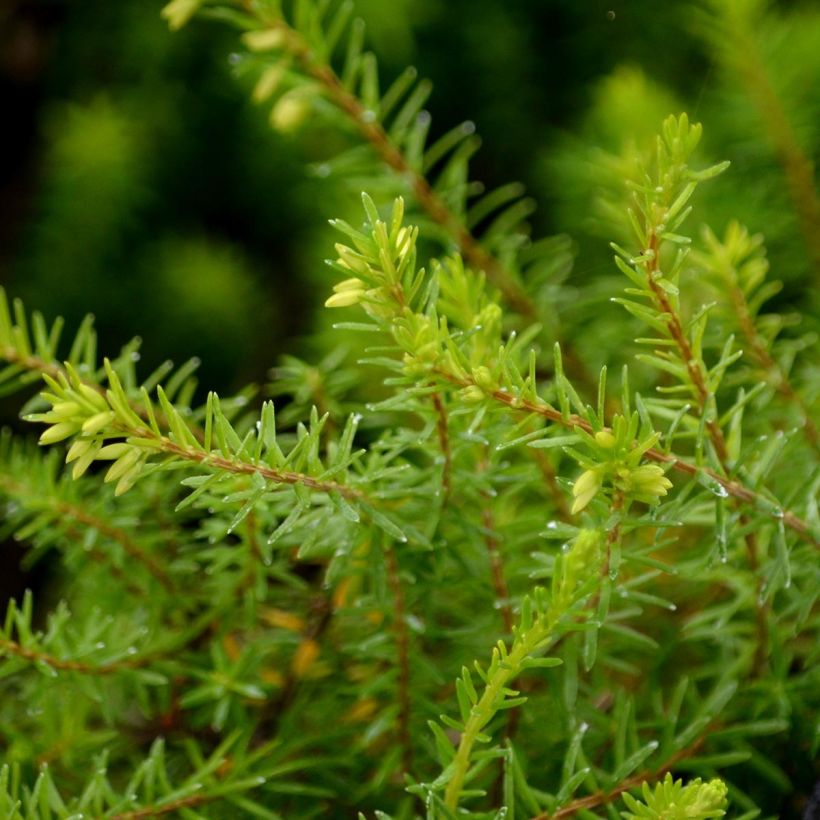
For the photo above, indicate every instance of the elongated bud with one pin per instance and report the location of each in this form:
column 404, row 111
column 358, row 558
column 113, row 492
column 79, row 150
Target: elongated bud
column 585, row 489
column 179, row 12
column 265, row 39
column 605, row 439
column 59, row 432
column 344, row 299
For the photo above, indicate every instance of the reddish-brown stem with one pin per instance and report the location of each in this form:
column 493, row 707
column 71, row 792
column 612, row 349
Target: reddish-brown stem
column 403, row 652
column 550, row 479
column 32, row 655
column 502, row 592
column 758, row 350
column 602, row 798
column 476, row 255
column 733, row 487
column 694, row 366
column 254, row 551
column 84, row 517
column 444, row 444
column 166, row 808
column 429, row 200
column 118, row 535
column 245, row 468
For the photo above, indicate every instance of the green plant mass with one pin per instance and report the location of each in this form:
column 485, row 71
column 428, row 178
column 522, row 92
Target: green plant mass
column 528, row 528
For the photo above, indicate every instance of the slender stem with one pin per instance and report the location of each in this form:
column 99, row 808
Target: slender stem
column 166, row 808
column 403, row 653
column 759, row 351
column 434, row 205
column 502, row 592
column 13, row 648
column 550, row 479
column 118, row 535
column 733, row 487
column 246, row 468
column 390, row 154
column 695, row 367
column 500, row 674
column 444, row 444
column 88, row 519
column 603, row 798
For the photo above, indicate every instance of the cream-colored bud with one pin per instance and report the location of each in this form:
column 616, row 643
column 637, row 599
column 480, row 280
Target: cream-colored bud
column 605, row 439
column 585, row 489
column 265, row 39
column 85, row 461
column 290, row 112
column 269, row 81
column 472, row 394
column 123, row 465
column 113, row 451
column 78, row 449
column 93, row 397
column 344, row 299
column 649, row 479
column 348, row 284
column 59, row 432
column 66, row 410
column 179, row 12
column 93, row 425
column 484, row 378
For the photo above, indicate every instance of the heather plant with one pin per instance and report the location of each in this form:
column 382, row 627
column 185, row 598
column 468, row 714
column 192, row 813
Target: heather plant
column 456, row 566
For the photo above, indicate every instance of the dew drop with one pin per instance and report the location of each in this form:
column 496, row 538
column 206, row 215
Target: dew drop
column 234, row 58
column 322, row 170
column 99, row 645
column 132, row 650
column 368, row 115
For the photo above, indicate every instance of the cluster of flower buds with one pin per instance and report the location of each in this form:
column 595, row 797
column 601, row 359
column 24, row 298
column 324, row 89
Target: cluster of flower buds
column 615, row 460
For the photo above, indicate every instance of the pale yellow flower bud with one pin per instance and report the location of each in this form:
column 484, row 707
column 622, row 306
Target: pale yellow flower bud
column 484, row 379
column 348, row 284
column 290, row 112
column 59, row 432
column 605, row 439
column 269, row 81
column 265, row 39
column 344, row 299
column 179, row 12
column 97, row 422
column 585, row 489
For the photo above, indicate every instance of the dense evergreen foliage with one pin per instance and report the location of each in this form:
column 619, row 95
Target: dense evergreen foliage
column 530, row 528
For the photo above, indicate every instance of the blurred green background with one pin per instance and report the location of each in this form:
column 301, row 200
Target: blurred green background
column 138, row 182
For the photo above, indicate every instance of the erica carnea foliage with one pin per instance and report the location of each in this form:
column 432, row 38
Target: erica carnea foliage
column 465, row 573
